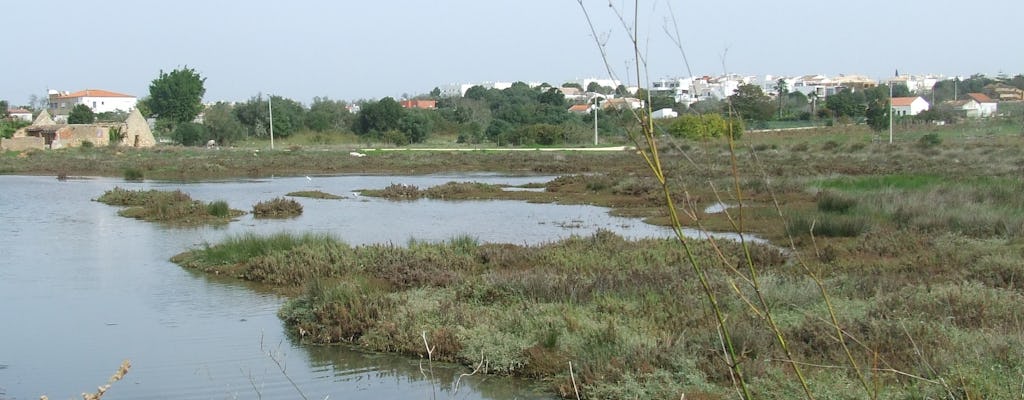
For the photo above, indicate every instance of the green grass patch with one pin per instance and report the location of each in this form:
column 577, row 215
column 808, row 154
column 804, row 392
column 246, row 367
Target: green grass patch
column 880, row 182
column 315, row 194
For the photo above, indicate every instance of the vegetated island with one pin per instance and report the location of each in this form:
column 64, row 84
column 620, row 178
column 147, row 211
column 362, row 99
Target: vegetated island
column 168, row 207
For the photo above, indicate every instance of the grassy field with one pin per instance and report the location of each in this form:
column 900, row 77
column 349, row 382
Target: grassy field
column 894, row 271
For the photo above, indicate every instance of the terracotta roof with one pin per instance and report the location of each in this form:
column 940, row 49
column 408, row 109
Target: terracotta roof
column 93, row 93
column 18, row 111
column 580, row 108
column 903, row 101
column 980, row 97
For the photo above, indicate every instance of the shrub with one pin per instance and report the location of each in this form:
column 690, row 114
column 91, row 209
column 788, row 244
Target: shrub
column 218, row 209
column 132, row 174
column 833, row 202
column 827, row 225
column 401, row 191
column 929, row 140
column 277, row 208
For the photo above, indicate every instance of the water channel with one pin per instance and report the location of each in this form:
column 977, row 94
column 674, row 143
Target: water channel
column 82, row 288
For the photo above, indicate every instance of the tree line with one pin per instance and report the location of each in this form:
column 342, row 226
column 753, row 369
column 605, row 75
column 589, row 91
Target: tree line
column 519, row 115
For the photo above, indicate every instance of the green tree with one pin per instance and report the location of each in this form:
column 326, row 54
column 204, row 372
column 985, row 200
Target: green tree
column 177, row 96
column 846, row 103
column 328, row 115
column 81, row 114
column 415, row 125
column 4, row 109
column 222, row 125
column 751, row 103
column 781, row 91
column 143, row 106
column 189, row 134
column 254, row 116
column 662, row 101
column 694, row 126
column 595, row 87
column 380, row 116
column 289, row 116
column 877, row 114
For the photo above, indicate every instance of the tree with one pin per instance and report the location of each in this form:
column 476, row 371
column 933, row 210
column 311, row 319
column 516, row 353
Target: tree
column 254, row 116
column 415, row 125
column 595, row 87
column 221, row 123
column 694, row 126
column 81, row 114
column 878, row 114
column 846, row 104
column 379, row 117
column 751, row 103
column 327, row 115
column 781, row 90
column 288, row 115
column 177, row 96
column 189, row 134
column 4, row 109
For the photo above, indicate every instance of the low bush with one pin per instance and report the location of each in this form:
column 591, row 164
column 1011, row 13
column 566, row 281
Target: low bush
column 133, row 174
column 277, row 208
column 833, row 202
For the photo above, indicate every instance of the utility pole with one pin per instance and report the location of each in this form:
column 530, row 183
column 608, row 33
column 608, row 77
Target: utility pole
column 270, row 108
column 890, row 112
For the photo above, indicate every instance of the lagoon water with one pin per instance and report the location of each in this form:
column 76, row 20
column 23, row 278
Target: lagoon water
column 82, row 288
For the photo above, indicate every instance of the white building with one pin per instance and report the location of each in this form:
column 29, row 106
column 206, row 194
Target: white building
column 664, row 113
column 987, row 106
column 20, row 114
column 99, row 101
column 902, row 106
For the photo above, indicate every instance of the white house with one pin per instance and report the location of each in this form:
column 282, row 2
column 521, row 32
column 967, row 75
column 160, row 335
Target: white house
column 908, row 105
column 664, row 113
column 99, row 101
column 968, row 108
column 988, row 106
column 20, row 114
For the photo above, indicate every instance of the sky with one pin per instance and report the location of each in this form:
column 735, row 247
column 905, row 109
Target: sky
column 359, row 49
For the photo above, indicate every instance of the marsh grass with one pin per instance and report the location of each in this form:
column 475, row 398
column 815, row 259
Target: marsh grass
column 624, row 314
column 315, row 194
column 277, row 208
column 171, row 207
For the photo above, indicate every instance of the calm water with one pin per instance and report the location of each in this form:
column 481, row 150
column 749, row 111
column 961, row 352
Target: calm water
column 82, row 289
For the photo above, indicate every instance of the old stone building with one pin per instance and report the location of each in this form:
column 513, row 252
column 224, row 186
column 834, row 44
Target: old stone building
column 45, row 134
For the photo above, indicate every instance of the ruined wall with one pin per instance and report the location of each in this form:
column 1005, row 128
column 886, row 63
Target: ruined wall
column 74, row 135
column 22, row 144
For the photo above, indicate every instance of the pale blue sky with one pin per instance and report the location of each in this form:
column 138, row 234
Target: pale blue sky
column 347, row 49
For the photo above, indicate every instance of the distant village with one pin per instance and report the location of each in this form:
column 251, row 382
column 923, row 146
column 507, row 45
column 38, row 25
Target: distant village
column 48, row 128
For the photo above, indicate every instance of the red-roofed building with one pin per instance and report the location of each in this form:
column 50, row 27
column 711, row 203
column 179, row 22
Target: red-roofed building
column 580, row 108
column 908, row 105
column 99, row 101
column 988, row 106
column 421, row 104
